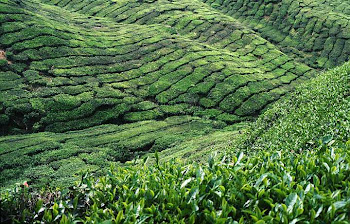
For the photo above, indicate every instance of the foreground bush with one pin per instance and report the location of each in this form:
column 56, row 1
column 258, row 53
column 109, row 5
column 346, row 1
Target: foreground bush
column 271, row 187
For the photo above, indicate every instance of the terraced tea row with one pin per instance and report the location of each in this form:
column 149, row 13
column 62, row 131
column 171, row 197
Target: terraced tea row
column 316, row 31
column 55, row 159
column 191, row 19
column 70, row 71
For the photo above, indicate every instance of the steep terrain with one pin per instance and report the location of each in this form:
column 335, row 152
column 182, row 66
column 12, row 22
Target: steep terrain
column 130, row 97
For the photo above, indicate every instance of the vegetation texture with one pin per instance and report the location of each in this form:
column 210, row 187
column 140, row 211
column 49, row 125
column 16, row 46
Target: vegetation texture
column 71, row 71
column 49, row 158
column 86, row 85
column 275, row 185
column 318, row 32
column 317, row 108
column 136, row 76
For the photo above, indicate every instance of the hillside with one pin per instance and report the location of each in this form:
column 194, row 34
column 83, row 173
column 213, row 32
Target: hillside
column 132, row 77
column 315, row 32
column 320, row 107
column 97, row 70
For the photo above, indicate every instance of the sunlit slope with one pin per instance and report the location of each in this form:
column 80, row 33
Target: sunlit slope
column 316, row 32
column 67, row 70
column 317, row 112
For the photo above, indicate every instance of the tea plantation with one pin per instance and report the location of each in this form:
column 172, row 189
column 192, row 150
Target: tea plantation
column 71, row 71
column 286, row 182
column 315, row 32
column 174, row 111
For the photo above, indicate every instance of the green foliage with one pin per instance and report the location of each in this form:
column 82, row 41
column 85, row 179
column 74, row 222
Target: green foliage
column 303, row 29
column 55, row 159
column 114, row 80
column 266, row 187
column 319, row 107
column 80, row 64
column 122, row 74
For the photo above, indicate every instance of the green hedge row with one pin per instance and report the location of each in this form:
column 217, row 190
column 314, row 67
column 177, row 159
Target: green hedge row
column 28, row 157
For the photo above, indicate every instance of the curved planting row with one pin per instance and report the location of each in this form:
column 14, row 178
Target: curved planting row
column 58, row 158
column 318, row 32
column 66, row 70
column 190, row 19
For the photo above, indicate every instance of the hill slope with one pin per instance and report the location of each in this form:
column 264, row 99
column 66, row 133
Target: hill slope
column 319, row 108
column 315, row 32
column 94, row 70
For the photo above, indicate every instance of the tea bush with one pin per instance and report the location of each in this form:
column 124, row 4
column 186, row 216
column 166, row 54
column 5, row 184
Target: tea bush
column 100, row 146
column 271, row 178
column 266, row 187
column 105, row 82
